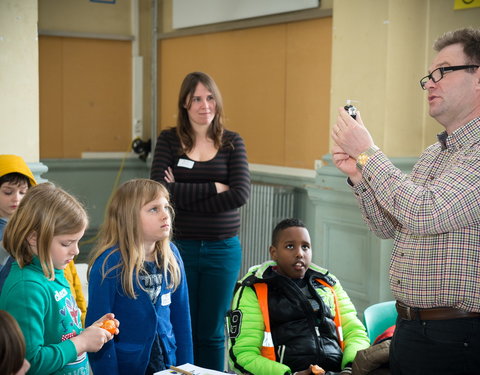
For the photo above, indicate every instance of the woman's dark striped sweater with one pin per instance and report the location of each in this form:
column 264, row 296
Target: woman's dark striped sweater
column 201, row 213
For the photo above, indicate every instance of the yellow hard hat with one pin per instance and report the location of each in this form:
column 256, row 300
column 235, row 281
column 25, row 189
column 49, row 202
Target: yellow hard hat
column 15, row 164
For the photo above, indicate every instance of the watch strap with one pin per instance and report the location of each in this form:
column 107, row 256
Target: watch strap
column 365, row 155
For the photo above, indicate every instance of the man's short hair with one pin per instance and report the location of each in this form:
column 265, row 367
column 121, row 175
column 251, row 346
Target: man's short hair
column 469, row 37
column 284, row 224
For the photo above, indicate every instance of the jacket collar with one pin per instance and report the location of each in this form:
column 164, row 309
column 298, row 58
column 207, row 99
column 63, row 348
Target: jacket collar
column 265, row 272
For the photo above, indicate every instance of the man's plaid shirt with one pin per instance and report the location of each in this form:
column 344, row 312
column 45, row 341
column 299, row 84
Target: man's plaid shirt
column 433, row 215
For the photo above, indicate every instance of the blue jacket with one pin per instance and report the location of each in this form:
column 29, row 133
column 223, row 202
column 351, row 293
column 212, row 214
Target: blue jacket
column 129, row 352
column 5, row 259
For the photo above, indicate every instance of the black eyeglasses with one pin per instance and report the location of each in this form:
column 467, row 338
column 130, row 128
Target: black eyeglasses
column 438, row 73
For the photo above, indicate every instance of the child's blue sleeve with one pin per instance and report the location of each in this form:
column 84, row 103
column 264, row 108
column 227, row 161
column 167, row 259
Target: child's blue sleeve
column 101, row 294
column 180, row 316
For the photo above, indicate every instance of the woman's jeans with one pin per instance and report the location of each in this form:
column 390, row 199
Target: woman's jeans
column 212, row 269
column 427, row 347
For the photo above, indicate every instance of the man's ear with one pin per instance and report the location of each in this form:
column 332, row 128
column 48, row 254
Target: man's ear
column 32, row 241
column 273, row 252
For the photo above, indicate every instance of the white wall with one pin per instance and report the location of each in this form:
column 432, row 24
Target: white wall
column 187, row 13
column 19, row 124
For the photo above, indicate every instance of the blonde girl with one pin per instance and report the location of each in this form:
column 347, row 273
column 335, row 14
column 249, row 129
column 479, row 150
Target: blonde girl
column 42, row 236
column 137, row 273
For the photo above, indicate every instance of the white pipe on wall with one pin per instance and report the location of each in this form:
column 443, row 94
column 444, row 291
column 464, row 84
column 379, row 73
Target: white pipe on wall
column 153, row 79
column 137, row 74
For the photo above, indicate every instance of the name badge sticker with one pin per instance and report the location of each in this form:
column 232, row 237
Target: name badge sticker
column 166, row 300
column 185, row 163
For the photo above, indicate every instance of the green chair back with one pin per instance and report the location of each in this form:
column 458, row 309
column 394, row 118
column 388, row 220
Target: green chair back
column 378, row 318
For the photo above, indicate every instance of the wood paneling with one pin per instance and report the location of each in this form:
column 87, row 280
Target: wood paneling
column 275, row 82
column 85, row 96
column 307, row 136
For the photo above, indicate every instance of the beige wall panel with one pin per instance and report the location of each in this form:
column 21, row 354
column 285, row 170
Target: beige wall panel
column 85, row 16
column 19, row 79
column 309, row 47
column 51, row 97
column 90, row 99
column 359, row 56
column 442, row 18
column 249, row 67
column 404, row 97
column 380, row 51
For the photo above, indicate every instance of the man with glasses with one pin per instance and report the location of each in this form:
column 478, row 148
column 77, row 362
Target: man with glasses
column 433, row 215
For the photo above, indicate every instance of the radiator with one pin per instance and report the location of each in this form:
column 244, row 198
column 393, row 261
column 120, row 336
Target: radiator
column 268, row 204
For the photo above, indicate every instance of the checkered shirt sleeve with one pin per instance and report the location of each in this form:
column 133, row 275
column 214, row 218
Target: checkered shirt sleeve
column 433, row 215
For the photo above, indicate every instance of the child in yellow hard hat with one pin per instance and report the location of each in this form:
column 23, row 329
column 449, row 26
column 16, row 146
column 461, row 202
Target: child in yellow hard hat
column 15, row 180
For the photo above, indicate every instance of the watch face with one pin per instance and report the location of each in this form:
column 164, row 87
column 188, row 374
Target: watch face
column 362, row 159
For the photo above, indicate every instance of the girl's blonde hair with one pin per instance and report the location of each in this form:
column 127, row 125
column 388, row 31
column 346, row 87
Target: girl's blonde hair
column 45, row 211
column 121, row 230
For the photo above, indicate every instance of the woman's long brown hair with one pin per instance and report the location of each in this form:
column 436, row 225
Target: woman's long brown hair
column 184, row 127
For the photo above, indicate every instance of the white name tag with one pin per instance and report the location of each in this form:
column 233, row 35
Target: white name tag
column 185, row 163
column 166, row 299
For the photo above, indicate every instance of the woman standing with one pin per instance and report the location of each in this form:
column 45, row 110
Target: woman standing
column 206, row 171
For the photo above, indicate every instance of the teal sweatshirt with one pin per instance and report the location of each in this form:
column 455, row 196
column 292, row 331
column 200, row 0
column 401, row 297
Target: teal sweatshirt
column 48, row 316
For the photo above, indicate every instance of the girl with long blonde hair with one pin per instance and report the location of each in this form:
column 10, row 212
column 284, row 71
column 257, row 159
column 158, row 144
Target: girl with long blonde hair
column 137, row 273
column 42, row 236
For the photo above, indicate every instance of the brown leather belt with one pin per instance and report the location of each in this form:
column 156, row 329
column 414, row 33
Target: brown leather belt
column 439, row 313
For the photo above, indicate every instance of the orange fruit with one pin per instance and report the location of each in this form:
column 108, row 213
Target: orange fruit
column 110, row 326
column 317, row 370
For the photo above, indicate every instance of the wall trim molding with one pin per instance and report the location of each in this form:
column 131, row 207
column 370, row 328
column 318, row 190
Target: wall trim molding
column 302, row 15
column 74, row 34
column 330, row 178
column 62, row 165
column 274, row 174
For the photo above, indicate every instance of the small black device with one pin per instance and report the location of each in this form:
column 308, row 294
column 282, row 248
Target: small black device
column 142, row 148
column 352, row 110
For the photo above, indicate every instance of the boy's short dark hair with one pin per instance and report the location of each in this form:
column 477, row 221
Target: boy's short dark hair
column 284, row 224
column 15, row 178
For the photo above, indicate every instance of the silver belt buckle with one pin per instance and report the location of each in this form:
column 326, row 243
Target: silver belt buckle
column 408, row 312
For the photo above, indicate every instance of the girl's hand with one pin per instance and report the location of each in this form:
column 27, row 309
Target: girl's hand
column 94, row 337
column 109, row 316
column 91, row 339
column 169, row 175
column 221, row 187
